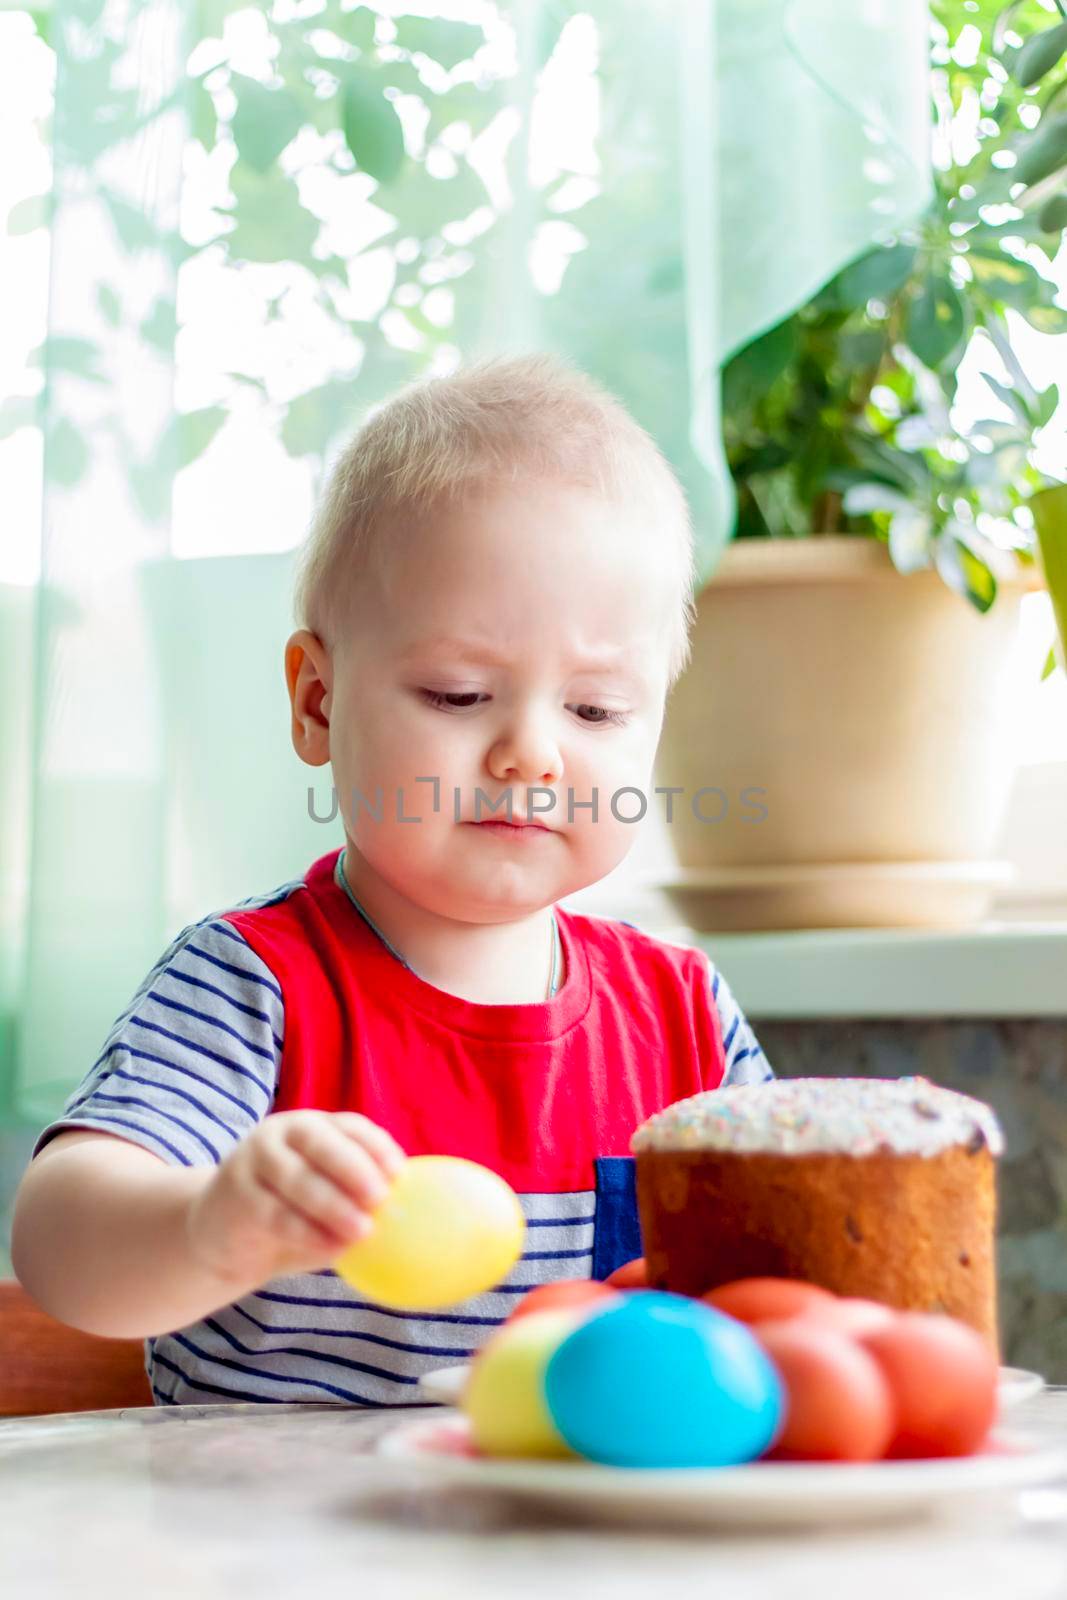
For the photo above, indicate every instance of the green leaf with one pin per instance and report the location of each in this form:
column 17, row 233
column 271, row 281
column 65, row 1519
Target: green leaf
column 1001, row 25
column 134, row 229
column 17, row 411
column 354, row 27
column 204, row 117
column 29, row 214
column 314, row 418
column 1048, row 400
column 1039, row 54
column 68, row 353
column 372, row 128
column 383, row 369
column 66, row 454
column 1047, row 319
column 151, row 488
column 754, row 369
column 1042, row 154
column 884, row 464
column 423, row 204
column 473, row 103
column 935, row 321
column 864, row 498
column 1017, row 284
column 1009, row 397
column 999, row 434
column 1052, row 217
column 160, row 327
column 983, row 470
column 909, row 540
column 272, row 225
column 876, row 275
column 445, row 42
column 1010, row 445
column 861, row 348
column 993, row 189
column 194, row 431
column 965, row 572
column 110, row 306
column 266, row 120
column 547, row 26
column 1050, row 664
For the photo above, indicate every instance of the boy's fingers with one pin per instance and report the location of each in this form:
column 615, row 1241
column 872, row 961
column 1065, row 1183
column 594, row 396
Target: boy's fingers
column 309, row 1193
column 351, row 1167
column 381, row 1144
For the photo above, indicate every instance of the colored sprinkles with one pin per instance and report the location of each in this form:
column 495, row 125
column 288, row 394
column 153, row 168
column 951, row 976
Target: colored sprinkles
column 842, row 1116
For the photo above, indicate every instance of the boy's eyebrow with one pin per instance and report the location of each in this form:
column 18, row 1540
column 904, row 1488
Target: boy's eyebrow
column 472, row 650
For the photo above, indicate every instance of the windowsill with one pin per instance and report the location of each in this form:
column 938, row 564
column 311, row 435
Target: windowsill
column 997, row 970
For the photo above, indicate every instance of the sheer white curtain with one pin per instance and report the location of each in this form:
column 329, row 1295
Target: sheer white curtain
column 737, row 154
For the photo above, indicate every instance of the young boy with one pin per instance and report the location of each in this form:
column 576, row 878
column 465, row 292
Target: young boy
column 495, row 602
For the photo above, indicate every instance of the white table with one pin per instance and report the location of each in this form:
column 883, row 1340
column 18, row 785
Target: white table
column 286, row 1501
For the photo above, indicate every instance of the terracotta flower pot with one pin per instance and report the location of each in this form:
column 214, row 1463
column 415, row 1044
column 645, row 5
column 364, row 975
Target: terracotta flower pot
column 851, row 728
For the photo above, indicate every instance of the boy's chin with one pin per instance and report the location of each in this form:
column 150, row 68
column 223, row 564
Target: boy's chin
column 488, row 903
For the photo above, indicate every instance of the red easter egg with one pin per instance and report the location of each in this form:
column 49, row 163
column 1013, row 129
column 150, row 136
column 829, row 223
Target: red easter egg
column 754, row 1300
column 944, row 1376
column 851, row 1316
column 631, row 1275
column 563, row 1295
column 839, row 1405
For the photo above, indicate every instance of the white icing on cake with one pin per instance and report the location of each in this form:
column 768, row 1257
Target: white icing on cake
column 841, row 1116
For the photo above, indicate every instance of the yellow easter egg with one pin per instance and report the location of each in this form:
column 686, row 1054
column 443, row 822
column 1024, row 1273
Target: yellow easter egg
column 504, row 1398
column 447, row 1229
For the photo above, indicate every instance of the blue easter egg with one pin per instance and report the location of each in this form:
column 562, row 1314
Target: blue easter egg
column 659, row 1380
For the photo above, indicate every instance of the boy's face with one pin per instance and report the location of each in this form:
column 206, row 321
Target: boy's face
column 539, row 580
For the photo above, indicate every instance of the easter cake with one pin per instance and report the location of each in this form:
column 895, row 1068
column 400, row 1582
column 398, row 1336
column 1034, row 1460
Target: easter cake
column 882, row 1189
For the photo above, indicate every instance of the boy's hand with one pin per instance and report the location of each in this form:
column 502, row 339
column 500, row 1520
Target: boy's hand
column 292, row 1194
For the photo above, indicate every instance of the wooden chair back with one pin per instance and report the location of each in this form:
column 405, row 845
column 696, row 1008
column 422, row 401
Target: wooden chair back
column 47, row 1367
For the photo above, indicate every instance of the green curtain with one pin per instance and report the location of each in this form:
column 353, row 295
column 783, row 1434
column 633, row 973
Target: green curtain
column 146, row 774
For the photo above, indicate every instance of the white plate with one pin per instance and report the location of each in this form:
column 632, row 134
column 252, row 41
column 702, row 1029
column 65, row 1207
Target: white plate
column 445, row 1385
column 760, row 1494
column 1016, row 1384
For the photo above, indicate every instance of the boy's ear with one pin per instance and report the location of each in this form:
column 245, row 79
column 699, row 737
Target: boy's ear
column 309, row 679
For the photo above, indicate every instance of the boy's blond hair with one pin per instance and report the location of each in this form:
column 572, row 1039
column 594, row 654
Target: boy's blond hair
column 499, row 421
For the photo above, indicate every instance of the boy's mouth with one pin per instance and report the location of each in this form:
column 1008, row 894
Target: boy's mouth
column 506, row 828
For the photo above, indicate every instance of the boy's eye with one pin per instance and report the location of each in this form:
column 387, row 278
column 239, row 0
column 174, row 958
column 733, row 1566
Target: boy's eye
column 463, row 702
column 448, row 701
column 602, row 716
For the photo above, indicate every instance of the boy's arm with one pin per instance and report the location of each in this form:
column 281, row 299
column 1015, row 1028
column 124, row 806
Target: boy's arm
column 111, row 1240
column 100, row 1238
column 168, row 1187
column 187, row 1071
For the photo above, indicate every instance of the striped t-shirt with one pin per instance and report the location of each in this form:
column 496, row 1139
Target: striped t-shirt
column 292, row 999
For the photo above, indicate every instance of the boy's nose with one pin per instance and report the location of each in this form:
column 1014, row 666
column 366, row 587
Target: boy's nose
column 525, row 751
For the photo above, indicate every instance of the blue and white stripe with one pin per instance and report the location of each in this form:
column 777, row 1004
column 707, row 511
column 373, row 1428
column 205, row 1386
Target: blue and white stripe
column 192, row 1064
column 311, row 1338
column 745, row 1060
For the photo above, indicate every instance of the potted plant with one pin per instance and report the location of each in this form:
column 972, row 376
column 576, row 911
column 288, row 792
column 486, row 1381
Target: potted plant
column 853, row 679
